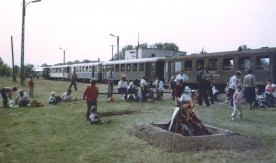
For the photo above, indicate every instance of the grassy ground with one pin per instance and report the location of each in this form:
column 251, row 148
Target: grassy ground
column 62, row 134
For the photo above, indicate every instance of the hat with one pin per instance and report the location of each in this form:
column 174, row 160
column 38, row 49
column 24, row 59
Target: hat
column 187, row 88
column 53, row 93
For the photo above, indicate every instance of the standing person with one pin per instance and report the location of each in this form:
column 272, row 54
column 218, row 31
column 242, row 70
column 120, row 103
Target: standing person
column 90, row 94
column 208, row 83
column 31, row 86
column 73, row 80
column 110, row 75
column 172, row 86
column 182, row 76
column 237, row 101
column 202, row 90
column 145, row 90
column 233, row 84
column 249, row 89
column 6, row 93
column 122, row 87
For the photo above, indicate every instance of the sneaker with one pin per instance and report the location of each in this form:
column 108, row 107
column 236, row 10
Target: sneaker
column 233, row 118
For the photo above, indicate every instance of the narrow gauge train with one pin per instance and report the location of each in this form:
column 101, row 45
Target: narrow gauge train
column 84, row 71
column 131, row 69
column 224, row 64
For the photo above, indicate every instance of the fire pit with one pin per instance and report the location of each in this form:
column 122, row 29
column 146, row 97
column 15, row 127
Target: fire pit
column 219, row 139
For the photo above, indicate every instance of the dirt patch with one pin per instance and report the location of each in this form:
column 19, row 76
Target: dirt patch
column 172, row 142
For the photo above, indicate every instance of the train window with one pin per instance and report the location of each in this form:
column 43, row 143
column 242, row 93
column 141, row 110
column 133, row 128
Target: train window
column 117, row 68
column 141, row 67
column 262, row 62
column 228, row 63
column 213, row 64
column 90, row 68
column 128, row 67
column 74, row 68
column 122, row 67
column 244, row 63
column 199, row 63
column 188, row 65
column 86, row 68
column 177, row 66
column 134, row 67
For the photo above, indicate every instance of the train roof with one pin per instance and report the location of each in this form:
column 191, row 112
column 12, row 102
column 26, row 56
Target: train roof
column 135, row 60
column 228, row 53
column 59, row 66
column 87, row 64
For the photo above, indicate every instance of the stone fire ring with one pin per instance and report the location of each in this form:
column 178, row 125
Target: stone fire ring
column 221, row 139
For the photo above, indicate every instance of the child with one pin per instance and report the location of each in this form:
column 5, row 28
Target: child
column 31, row 86
column 237, row 101
column 90, row 94
column 53, row 99
column 94, row 116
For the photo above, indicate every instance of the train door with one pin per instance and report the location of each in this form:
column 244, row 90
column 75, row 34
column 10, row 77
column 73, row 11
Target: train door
column 148, row 71
column 159, row 69
column 273, row 68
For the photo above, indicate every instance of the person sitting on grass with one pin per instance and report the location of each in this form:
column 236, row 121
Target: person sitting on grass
column 67, row 96
column 94, row 117
column 22, row 98
column 122, row 87
column 53, row 99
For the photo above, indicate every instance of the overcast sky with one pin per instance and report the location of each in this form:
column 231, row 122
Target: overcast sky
column 83, row 27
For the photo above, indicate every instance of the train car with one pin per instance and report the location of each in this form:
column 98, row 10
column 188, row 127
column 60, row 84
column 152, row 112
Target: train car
column 60, row 72
column 46, row 72
column 224, row 64
column 136, row 68
column 86, row 71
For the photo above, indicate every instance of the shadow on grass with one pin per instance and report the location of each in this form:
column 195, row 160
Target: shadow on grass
column 119, row 112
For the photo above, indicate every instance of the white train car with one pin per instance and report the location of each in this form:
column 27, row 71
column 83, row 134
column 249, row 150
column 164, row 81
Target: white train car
column 60, row 72
column 86, row 71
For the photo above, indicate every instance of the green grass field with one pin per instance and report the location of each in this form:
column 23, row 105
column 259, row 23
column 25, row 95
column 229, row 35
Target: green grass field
column 62, row 134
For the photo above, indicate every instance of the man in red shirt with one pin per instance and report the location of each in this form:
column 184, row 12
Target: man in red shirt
column 90, row 94
column 31, row 86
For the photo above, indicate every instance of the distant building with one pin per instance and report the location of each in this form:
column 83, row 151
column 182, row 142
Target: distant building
column 149, row 53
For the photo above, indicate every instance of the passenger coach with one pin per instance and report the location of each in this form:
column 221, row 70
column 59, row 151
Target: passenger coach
column 224, row 64
column 136, row 68
column 86, row 71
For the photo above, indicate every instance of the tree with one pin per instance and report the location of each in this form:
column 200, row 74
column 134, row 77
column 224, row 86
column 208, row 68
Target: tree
column 143, row 46
column 4, row 69
column 44, row 65
column 170, row 46
column 243, row 47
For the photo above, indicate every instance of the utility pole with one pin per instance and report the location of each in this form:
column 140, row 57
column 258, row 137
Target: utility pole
column 137, row 47
column 24, row 5
column 112, row 52
column 13, row 74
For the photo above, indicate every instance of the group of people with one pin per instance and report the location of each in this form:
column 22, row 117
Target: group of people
column 240, row 89
column 130, row 90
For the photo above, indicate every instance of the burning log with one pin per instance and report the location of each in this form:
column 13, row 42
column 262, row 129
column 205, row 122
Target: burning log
column 185, row 122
